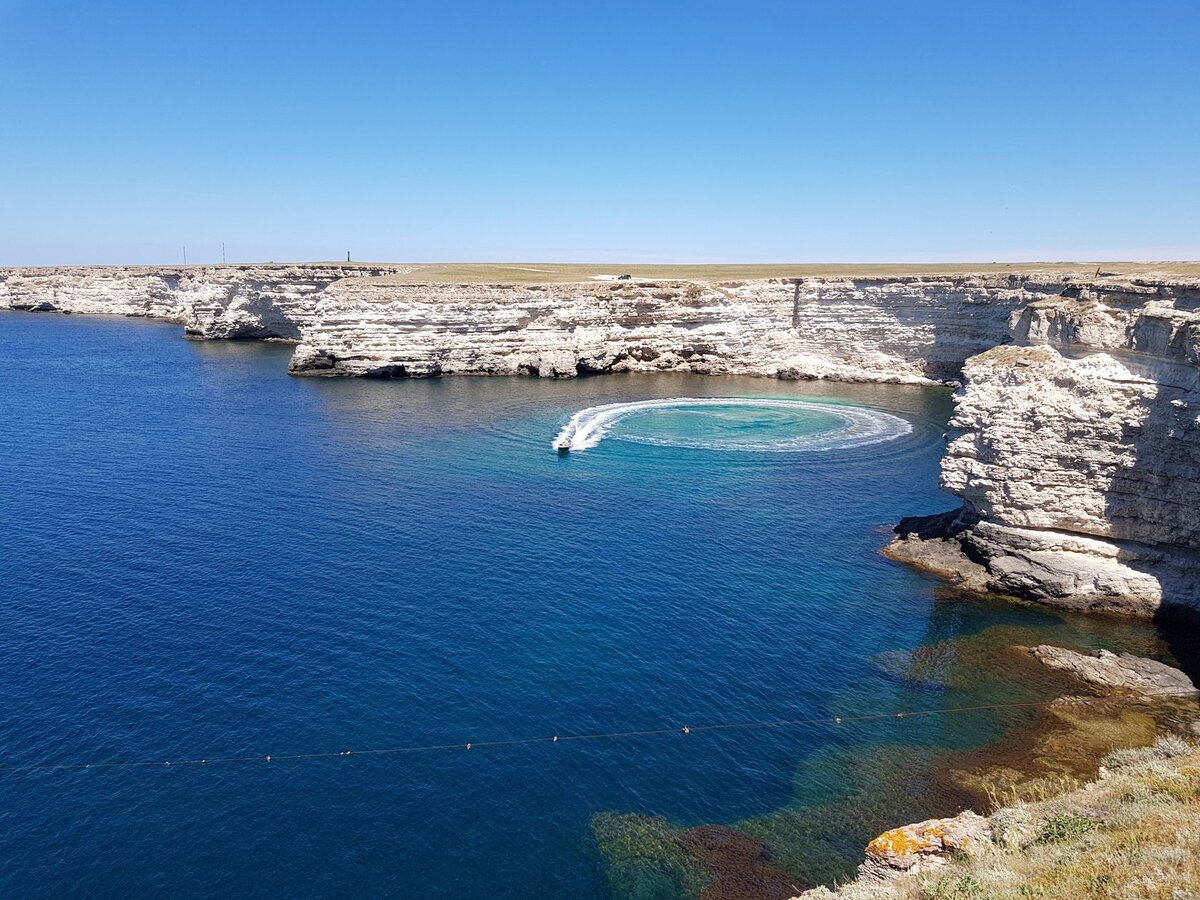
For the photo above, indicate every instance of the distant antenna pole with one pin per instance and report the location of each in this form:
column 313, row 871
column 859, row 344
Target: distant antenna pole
column 222, row 253
column 347, row 256
column 796, row 306
column 185, row 254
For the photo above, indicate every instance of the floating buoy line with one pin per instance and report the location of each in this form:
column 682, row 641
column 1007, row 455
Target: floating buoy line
column 683, row 730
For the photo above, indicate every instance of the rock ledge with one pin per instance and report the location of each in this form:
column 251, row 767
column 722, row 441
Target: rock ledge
column 1124, row 672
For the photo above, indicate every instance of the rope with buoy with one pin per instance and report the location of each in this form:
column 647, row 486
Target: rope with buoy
column 686, row 729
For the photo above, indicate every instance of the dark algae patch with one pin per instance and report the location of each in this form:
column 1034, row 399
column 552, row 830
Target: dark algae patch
column 648, row 859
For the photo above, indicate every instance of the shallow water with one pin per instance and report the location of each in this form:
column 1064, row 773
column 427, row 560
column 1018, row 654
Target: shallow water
column 202, row 557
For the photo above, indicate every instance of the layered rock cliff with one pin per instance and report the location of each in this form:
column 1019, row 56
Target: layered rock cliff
column 376, row 321
column 1076, row 452
column 211, row 302
column 893, row 330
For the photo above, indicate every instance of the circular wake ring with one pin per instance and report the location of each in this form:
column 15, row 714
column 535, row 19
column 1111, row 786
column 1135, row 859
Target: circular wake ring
column 859, row 425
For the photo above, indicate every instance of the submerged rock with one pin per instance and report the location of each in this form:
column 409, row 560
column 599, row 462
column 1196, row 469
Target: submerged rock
column 1125, row 672
column 646, row 856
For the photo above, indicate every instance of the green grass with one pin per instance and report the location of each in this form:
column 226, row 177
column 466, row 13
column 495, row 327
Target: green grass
column 1064, row 828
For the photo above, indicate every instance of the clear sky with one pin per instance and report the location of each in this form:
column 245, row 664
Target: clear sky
column 599, row 131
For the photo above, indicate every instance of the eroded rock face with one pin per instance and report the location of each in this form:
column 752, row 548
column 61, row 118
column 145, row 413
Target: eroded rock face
column 1077, row 456
column 904, row 330
column 212, row 302
column 376, row 321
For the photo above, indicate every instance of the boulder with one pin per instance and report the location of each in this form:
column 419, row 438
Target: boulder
column 923, row 846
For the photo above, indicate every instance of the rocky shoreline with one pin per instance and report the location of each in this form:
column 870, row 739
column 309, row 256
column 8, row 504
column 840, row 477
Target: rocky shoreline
column 1078, row 713
column 1132, row 833
column 1007, row 853
column 1074, row 445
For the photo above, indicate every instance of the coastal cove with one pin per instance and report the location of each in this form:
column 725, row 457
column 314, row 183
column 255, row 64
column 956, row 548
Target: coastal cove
column 202, row 556
column 1075, row 445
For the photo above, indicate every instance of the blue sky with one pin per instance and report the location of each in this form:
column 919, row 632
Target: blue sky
column 599, row 131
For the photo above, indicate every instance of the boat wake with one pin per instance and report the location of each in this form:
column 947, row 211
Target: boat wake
column 858, row 425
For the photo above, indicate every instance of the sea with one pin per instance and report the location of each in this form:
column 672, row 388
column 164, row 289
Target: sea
column 266, row 636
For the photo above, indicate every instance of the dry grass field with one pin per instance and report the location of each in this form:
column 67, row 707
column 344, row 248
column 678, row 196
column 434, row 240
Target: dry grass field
column 550, row 273
column 567, row 273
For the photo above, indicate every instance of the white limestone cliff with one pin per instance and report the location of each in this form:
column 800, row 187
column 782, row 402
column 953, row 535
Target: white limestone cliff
column 1076, row 453
column 375, row 321
column 211, row 302
column 907, row 330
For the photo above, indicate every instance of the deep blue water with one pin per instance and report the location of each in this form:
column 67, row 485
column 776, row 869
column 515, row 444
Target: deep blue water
column 202, row 557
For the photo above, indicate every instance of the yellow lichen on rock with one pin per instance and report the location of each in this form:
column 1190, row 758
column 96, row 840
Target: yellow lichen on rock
column 914, row 848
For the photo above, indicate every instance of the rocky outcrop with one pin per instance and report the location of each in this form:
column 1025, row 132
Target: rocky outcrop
column 1132, row 833
column 905, row 330
column 212, row 302
column 1076, row 452
column 379, row 321
column 1118, row 671
column 927, row 845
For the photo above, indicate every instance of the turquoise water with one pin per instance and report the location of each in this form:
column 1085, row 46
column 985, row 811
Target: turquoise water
column 726, row 428
column 202, row 557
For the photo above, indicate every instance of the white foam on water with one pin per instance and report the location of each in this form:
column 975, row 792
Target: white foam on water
column 860, row 425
